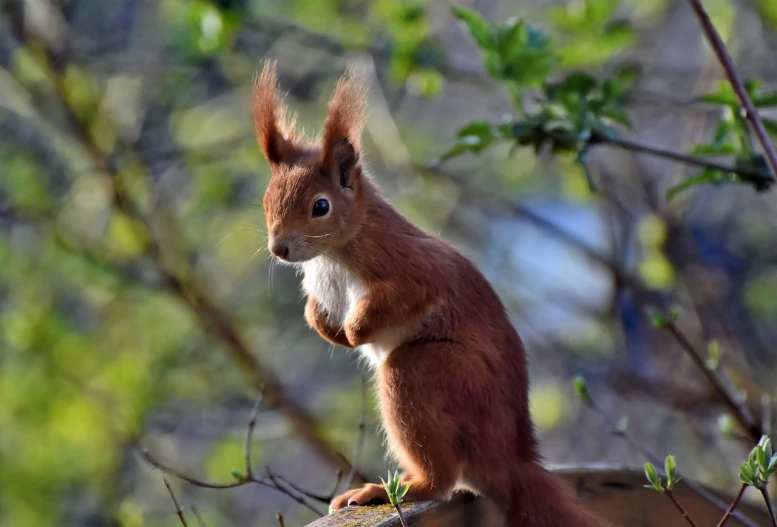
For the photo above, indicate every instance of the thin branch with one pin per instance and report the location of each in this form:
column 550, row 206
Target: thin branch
column 653, row 458
column 178, row 509
column 681, row 509
column 197, row 516
column 299, row 498
column 721, row 385
column 765, row 493
column 189, row 479
column 220, row 486
column 401, row 516
column 751, row 114
column 297, row 488
column 733, row 506
column 279, row 517
column 750, row 174
column 250, row 436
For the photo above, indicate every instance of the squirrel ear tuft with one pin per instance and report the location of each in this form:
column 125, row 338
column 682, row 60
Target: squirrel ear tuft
column 345, row 119
column 343, row 161
column 273, row 132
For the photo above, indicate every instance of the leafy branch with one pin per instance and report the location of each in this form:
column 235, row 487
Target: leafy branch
column 740, row 89
column 576, row 111
column 396, row 492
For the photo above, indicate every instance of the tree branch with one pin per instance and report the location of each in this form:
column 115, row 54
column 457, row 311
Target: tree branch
column 733, row 506
column 680, row 508
column 751, row 114
column 765, row 493
column 178, row 509
column 746, row 173
column 721, row 385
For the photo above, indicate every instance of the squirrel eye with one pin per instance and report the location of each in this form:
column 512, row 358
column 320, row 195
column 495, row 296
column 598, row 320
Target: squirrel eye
column 320, row 208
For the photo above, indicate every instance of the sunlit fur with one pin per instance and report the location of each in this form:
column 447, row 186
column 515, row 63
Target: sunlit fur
column 450, row 368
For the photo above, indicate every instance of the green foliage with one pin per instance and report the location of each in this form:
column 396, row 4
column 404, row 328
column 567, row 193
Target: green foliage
column 670, row 469
column 572, row 111
column 652, row 476
column 732, row 138
column 581, row 388
column 656, row 482
column 592, row 31
column 565, row 115
column 661, row 319
column 761, row 464
column 714, row 355
column 394, row 488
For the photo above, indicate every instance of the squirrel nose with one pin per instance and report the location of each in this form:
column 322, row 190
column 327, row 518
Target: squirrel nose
column 279, row 248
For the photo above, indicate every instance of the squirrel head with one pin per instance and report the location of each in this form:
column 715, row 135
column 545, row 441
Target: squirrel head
column 314, row 202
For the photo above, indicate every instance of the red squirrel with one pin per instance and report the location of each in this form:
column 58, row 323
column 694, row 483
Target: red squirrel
column 451, row 369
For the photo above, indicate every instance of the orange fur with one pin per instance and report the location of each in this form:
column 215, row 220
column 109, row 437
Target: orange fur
column 451, row 369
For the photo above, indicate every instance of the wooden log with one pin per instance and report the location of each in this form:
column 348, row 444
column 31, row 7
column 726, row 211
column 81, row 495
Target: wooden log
column 614, row 492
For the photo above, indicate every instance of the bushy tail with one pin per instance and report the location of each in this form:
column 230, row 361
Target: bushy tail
column 540, row 499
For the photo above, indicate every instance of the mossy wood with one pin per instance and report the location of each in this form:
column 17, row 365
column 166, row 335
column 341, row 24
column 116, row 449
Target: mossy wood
column 614, row 492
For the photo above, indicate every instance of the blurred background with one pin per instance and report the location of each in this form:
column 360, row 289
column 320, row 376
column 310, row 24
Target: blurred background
column 139, row 308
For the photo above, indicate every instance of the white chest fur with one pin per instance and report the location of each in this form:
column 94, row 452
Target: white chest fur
column 338, row 291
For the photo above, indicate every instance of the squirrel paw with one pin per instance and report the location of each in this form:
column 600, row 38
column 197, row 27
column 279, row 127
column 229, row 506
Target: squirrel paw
column 369, row 493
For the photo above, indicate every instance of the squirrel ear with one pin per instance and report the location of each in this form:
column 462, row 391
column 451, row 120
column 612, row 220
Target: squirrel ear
column 344, row 122
column 342, row 162
column 273, row 132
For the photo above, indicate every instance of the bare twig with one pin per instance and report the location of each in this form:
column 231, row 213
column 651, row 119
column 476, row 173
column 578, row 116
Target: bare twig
column 751, row 114
column 680, row 508
column 401, row 516
column 312, row 495
column 250, row 436
column 178, row 509
column 765, row 493
column 721, row 385
column 279, row 517
column 656, row 460
column 197, row 516
column 747, row 173
column 220, row 486
column 272, row 480
column 733, row 506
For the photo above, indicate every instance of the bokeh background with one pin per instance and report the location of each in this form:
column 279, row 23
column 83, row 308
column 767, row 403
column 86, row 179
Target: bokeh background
column 139, row 307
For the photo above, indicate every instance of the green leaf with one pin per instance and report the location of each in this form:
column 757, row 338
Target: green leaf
column 762, row 459
column 706, row 176
column 478, row 27
column 474, row 137
column 725, row 96
column 652, row 477
column 238, row 475
column 706, row 149
column 765, row 100
column 766, row 444
column 670, row 467
column 403, row 491
column 713, row 355
column 657, row 318
column 477, row 128
column 628, row 74
column 581, row 388
column 747, row 474
column 727, row 425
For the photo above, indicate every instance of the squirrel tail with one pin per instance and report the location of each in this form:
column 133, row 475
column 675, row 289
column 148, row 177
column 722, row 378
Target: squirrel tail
column 537, row 498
